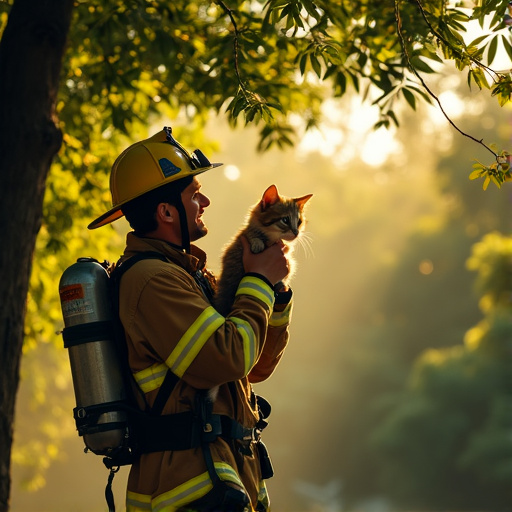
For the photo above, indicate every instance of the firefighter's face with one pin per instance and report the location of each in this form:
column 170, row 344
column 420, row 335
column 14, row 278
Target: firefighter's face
column 195, row 202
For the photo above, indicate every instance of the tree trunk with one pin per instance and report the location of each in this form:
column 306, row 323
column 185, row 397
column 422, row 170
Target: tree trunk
column 31, row 53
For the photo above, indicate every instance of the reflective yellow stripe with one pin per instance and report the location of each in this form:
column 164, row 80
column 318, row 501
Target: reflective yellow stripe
column 255, row 287
column 280, row 318
column 183, row 494
column 263, row 495
column 193, row 489
column 151, row 378
column 136, row 502
column 227, row 473
column 193, row 340
column 249, row 340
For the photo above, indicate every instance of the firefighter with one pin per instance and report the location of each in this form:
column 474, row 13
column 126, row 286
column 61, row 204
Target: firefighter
column 184, row 356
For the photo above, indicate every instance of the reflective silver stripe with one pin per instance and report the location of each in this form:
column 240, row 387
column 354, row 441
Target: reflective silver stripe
column 136, row 502
column 151, row 378
column 255, row 287
column 185, row 493
column 280, row 318
column 249, row 341
column 193, row 340
column 227, row 473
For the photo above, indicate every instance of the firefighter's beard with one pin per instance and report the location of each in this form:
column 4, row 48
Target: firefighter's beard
column 198, row 230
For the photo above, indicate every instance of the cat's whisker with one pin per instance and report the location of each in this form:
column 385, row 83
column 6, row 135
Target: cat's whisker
column 306, row 243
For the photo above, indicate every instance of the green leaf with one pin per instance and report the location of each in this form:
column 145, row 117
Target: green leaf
column 496, row 19
column 302, row 63
column 420, row 65
column 470, row 77
column 493, row 47
column 507, row 46
column 496, row 181
column 480, row 78
column 341, row 83
column 276, row 4
column 478, row 40
column 315, row 64
column 410, row 98
column 392, row 115
column 476, row 174
column 330, row 71
column 311, row 9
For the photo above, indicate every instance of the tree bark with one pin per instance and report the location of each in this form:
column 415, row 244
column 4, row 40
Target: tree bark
column 31, row 53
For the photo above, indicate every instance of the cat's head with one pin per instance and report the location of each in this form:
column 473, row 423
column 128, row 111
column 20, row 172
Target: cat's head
column 281, row 217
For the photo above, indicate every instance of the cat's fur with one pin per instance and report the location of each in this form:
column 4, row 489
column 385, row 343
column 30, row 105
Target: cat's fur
column 272, row 219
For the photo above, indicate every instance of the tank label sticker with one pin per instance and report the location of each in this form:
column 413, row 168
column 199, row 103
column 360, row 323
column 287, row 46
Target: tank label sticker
column 71, row 292
column 73, row 300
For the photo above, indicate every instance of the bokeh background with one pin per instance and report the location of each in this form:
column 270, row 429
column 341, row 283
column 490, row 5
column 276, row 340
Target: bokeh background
column 394, row 393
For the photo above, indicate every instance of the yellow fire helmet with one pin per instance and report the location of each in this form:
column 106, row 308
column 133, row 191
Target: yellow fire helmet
column 147, row 165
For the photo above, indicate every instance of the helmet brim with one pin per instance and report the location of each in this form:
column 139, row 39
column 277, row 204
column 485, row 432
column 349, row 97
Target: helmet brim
column 116, row 213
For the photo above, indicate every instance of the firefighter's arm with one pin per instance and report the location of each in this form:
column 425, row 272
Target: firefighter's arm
column 276, row 339
column 254, row 319
column 176, row 327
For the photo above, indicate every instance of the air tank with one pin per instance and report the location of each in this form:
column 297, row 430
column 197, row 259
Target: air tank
column 95, row 361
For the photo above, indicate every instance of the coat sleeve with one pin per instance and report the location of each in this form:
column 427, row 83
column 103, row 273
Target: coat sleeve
column 276, row 341
column 170, row 324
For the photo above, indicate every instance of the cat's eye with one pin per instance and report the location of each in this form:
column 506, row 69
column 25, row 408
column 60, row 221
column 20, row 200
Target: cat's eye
column 285, row 220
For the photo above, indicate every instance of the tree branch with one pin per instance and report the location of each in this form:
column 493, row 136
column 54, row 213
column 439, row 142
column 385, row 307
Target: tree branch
column 229, row 12
column 423, row 83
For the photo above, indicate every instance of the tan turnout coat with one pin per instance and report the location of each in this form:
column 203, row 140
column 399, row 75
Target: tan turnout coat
column 169, row 323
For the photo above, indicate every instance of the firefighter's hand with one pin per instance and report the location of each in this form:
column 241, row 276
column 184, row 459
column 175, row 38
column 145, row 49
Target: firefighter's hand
column 270, row 263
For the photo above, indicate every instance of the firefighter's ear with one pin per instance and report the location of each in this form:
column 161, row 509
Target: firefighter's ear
column 164, row 212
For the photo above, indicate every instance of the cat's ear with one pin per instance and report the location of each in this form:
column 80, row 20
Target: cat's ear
column 270, row 197
column 301, row 201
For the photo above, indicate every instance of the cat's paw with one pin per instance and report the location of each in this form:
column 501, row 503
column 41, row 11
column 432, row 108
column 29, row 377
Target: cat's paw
column 257, row 245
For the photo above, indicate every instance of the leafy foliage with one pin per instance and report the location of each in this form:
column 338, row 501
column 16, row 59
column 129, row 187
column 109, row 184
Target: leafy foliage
column 264, row 60
column 498, row 172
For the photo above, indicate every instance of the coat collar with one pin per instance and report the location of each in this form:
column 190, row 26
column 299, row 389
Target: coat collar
column 192, row 262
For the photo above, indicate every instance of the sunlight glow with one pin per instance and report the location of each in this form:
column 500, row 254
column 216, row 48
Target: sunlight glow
column 377, row 147
column 426, row 267
column 232, row 172
column 345, row 135
column 453, row 106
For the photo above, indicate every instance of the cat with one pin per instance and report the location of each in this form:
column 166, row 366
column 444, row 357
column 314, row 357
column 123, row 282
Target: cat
column 272, row 219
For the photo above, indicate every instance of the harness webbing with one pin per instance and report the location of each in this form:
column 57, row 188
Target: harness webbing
column 170, row 381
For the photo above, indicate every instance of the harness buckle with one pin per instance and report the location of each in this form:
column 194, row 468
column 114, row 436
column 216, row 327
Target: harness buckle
column 253, row 436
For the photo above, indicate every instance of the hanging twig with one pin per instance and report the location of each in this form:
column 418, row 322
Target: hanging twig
column 423, row 83
column 229, row 12
column 440, row 36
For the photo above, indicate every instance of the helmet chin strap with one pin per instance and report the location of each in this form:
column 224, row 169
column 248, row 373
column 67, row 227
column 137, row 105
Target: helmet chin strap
column 185, row 236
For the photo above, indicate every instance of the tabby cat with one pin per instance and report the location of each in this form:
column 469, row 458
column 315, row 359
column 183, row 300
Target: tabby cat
column 274, row 218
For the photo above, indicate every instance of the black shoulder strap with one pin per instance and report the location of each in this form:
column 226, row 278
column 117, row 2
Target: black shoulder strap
column 121, row 268
column 170, row 379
